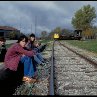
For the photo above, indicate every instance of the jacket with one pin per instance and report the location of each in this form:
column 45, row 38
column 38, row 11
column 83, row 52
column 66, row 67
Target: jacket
column 13, row 55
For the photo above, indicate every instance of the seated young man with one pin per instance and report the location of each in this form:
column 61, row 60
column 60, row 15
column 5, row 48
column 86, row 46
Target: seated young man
column 2, row 49
column 33, row 45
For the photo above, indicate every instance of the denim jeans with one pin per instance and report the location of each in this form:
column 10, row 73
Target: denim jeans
column 37, row 50
column 38, row 58
column 28, row 66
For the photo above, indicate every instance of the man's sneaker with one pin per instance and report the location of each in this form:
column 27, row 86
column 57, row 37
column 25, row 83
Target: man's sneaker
column 46, row 61
column 43, row 64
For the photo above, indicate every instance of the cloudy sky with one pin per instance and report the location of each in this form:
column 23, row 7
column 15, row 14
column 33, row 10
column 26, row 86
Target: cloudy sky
column 46, row 15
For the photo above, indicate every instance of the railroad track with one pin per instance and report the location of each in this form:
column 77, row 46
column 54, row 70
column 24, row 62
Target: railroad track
column 73, row 73
column 41, row 87
column 67, row 74
column 70, row 74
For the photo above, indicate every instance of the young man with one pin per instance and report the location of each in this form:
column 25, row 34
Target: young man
column 13, row 56
column 2, row 49
column 33, row 46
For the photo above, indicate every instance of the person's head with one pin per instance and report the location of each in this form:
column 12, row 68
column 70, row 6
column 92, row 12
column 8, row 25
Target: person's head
column 2, row 40
column 22, row 40
column 32, row 37
column 37, row 43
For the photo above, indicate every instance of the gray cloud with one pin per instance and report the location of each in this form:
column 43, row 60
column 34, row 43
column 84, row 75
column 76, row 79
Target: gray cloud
column 49, row 14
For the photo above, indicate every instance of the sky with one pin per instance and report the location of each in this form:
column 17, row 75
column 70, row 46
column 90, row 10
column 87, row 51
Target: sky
column 37, row 16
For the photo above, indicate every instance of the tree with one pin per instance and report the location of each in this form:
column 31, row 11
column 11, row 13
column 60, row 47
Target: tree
column 51, row 35
column 14, row 34
column 57, row 30
column 43, row 34
column 65, row 32
column 84, row 18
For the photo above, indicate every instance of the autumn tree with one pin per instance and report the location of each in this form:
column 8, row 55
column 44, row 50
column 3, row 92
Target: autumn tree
column 57, row 30
column 66, row 32
column 84, row 18
column 43, row 34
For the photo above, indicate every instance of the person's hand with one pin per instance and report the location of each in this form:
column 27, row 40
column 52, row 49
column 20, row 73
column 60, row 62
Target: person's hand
column 23, row 55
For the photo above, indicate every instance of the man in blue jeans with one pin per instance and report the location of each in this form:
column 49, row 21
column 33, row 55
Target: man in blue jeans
column 29, row 68
column 31, row 45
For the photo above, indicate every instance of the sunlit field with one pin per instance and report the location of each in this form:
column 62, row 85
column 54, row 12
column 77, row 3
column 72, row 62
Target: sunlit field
column 90, row 45
column 45, row 41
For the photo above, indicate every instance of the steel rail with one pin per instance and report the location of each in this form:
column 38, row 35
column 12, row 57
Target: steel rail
column 51, row 81
column 83, row 56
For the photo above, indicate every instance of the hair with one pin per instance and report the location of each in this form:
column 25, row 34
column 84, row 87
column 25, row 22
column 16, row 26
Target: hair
column 39, row 43
column 32, row 35
column 2, row 39
column 21, row 38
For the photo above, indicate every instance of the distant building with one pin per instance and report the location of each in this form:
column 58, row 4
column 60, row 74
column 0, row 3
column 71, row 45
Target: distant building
column 5, row 30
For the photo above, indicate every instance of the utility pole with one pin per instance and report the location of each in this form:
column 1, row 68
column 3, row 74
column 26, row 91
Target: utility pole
column 20, row 24
column 31, row 27
column 35, row 24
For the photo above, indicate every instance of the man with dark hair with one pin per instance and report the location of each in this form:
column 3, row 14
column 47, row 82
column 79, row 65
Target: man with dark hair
column 32, row 35
column 2, row 49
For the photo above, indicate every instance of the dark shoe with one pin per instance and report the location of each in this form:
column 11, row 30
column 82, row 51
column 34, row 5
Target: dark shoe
column 46, row 60
column 35, row 77
column 43, row 64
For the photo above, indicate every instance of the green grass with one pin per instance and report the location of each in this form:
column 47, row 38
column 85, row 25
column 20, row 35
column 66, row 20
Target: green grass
column 90, row 45
column 8, row 45
column 45, row 41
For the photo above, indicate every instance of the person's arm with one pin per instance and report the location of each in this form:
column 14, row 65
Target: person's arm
column 21, row 50
column 28, row 46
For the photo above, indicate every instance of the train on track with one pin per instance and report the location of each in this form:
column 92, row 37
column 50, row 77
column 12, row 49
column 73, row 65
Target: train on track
column 76, row 35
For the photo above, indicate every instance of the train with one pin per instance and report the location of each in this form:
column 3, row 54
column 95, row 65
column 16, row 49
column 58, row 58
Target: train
column 76, row 35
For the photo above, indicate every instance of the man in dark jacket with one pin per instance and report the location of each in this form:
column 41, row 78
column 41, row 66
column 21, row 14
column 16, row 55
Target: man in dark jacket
column 2, row 49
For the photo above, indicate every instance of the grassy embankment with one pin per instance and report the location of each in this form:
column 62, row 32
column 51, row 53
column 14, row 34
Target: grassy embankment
column 89, row 45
